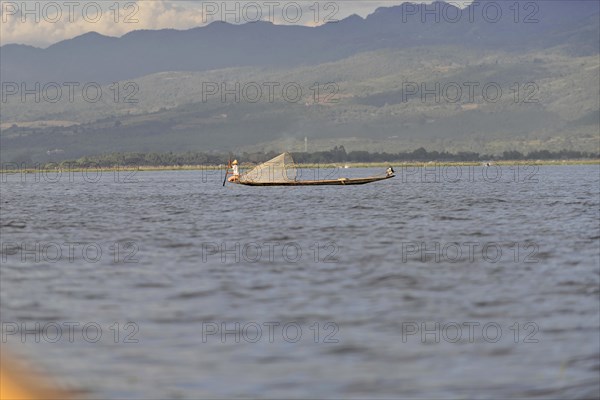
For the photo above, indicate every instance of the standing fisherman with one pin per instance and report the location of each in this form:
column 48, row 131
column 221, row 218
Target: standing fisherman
column 236, row 172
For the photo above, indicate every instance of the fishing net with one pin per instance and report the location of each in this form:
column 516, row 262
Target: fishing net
column 276, row 170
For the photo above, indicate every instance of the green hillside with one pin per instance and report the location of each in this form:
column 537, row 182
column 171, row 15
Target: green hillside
column 549, row 101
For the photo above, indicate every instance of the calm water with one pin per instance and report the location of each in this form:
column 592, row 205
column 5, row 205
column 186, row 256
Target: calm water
column 477, row 285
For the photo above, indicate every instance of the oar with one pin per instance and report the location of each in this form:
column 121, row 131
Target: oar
column 227, row 170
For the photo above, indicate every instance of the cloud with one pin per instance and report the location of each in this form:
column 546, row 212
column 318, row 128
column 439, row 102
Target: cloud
column 44, row 23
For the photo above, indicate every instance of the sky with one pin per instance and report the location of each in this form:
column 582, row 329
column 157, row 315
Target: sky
column 42, row 23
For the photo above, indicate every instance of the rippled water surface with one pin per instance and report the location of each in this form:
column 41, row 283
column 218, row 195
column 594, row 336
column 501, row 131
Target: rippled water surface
column 384, row 290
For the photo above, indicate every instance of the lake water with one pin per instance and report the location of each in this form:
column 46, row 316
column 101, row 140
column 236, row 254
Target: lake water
column 474, row 282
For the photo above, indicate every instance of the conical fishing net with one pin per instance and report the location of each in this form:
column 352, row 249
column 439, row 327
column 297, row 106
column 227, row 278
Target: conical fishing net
column 276, row 170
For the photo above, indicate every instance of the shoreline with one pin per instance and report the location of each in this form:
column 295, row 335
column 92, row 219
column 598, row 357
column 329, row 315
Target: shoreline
column 415, row 164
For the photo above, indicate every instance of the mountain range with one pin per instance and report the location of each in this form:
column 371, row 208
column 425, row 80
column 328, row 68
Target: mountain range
column 547, row 52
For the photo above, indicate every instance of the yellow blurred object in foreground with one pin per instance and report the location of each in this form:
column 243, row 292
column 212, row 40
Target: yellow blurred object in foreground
column 18, row 383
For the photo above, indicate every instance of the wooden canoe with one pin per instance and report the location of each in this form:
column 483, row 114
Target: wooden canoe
column 339, row 181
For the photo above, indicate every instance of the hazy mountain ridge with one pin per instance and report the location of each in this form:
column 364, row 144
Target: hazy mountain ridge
column 96, row 58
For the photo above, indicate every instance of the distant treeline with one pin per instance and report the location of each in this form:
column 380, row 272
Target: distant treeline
column 335, row 155
column 338, row 154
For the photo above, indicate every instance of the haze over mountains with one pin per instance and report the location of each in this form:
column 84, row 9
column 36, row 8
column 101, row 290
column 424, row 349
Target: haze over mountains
column 357, row 76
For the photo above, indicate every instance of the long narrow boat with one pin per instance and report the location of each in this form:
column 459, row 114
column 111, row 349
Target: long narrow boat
column 281, row 171
column 340, row 181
